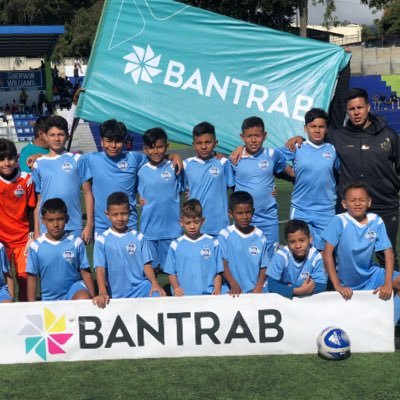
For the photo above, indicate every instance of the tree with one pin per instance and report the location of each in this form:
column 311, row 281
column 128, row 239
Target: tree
column 277, row 14
column 389, row 24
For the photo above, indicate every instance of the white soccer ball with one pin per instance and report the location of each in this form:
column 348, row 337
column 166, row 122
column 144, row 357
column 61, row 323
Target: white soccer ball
column 333, row 344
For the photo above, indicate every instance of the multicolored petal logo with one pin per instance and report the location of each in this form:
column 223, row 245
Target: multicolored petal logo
column 46, row 334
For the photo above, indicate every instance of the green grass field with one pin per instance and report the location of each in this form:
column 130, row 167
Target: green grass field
column 362, row 376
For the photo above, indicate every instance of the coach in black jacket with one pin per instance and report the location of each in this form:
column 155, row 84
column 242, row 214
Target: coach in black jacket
column 369, row 152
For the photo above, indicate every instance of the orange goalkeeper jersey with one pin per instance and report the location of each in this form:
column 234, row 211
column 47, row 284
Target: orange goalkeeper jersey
column 16, row 196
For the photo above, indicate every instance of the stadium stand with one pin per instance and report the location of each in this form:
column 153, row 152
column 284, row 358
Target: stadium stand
column 381, row 85
column 135, row 140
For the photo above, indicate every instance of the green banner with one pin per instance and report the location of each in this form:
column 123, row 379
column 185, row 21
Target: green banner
column 162, row 63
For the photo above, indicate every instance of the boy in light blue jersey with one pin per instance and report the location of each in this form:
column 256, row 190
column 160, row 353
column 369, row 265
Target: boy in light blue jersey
column 207, row 179
column 159, row 188
column 297, row 269
column 243, row 248
column 122, row 258
column 315, row 165
column 115, row 170
column 194, row 262
column 61, row 174
column 6, row 280
column 354, row 236
column 254, row 173
column 58, row 259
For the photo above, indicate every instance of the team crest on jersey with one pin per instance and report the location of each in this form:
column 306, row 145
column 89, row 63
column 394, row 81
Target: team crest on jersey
column 66, row 166
column 386, row 145
column 214, row 170
column 304, row 275
column 254, row 250
column 263, row 164
column 123, row 165
column 131, row 248
column 205, row 252
column 68, row 255
column 166, row 175
column 370, row 236
column 19, row 191
column 327, row 155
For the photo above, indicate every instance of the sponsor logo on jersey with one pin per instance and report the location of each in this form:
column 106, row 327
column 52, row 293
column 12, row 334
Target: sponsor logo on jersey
column 370, row 236
column 166, row 175
column 131, row 248
column 305, row 275
column 123, row 165
column 19, row 191
column 68, row 255
column 327, row 154
column 66, row 166
column 263, row 164
column 254, row 250
column 214, row 170
column 205, row 252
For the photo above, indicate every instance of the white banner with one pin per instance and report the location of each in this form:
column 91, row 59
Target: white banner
column 190, row 326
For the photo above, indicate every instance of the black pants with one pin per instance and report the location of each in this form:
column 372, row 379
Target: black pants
column 391, row 221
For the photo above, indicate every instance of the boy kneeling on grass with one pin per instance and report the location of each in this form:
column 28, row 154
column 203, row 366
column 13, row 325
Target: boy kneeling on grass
column 354, row 236
column 297, row 269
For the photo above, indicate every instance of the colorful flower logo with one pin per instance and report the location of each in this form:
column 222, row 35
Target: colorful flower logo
column 46, row 334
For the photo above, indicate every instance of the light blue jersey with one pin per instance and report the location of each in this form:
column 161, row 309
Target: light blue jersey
column 58, row 264
column 123, row 255
column 195, row 263
column 314, row 192
column 113, row 175
column 62, row 176
column 4, row 266
column 207, row 181
column 255, row 174
column 246, row 254
column 288, row 271
column 161, row 189
column 355, row 245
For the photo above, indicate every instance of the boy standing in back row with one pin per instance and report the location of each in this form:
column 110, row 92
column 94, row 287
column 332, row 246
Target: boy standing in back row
column 159, row 188
column 61, row 174
column 254, row 173
column 115, row 170
column 207, row 178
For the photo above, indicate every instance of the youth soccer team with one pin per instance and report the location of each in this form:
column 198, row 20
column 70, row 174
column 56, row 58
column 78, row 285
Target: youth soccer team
column 41, row 230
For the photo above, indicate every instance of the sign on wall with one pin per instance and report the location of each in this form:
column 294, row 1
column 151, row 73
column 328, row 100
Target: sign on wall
column 17, row 80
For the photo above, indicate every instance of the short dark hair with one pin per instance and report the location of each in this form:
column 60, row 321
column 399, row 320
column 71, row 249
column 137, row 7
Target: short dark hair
column 113, row 130
column 240, row 197
column 202, row 128
column 192, row 209
column 117, row 199
column 7, row 149
column 315, row 113
column 295, row 225
column 151, row 136
column 58, row 122
column 355, row 185
column 356, row 93
column 39, row 126
column 252, row 122
column 53, row 206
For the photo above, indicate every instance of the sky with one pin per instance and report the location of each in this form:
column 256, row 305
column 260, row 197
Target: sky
column 350, row 10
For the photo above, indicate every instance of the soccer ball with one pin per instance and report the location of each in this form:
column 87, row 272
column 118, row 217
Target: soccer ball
column 333, row 344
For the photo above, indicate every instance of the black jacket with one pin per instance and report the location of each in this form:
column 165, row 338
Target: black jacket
column 371, row 156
